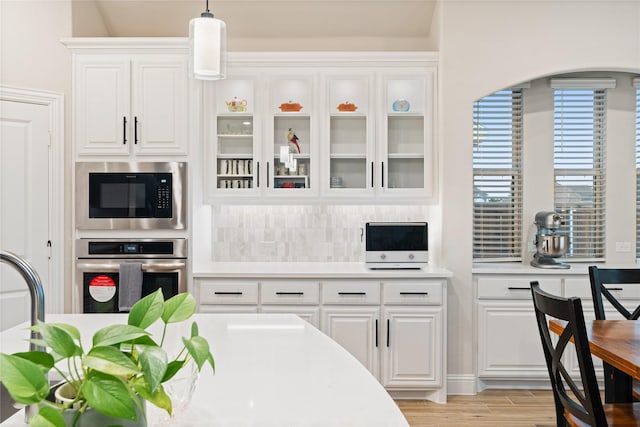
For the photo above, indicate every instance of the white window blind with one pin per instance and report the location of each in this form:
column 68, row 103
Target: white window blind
column 636, row 84
column 497, row 177
column 579, row 169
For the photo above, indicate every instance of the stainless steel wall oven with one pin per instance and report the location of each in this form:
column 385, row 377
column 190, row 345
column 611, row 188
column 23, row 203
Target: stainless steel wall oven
column 98, row 263
column 131, row 195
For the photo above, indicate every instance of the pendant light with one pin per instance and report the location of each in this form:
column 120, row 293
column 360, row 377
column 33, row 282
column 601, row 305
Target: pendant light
column 208, row 42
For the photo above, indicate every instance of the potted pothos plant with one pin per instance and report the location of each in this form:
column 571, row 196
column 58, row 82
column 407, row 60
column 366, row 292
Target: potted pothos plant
column 124, row 367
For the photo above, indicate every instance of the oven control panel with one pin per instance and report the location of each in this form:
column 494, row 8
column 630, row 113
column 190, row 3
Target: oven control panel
column 124, row 248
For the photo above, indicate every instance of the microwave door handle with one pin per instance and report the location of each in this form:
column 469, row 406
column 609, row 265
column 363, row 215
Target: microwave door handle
column 152, row 267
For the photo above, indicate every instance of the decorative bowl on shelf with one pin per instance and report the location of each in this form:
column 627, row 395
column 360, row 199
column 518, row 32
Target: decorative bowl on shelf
column 236, row 106
column 347, row 107
column 290, row 107
column 401, row 105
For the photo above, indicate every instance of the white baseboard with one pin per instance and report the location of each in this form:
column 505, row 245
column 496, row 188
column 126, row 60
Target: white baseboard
column 461, row 384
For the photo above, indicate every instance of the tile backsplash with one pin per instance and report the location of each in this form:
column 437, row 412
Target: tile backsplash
column 300, row 233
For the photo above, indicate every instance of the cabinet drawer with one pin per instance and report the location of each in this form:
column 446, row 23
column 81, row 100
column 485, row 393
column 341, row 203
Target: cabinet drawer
column 412, row 293
column 290, row 292
column 582, row 288
column 229, row 292
column 351, row 292
column 515, row 287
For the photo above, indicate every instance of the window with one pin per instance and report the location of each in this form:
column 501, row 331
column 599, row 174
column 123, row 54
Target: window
column 636, row 84
column 579, row 168
column 497, row 177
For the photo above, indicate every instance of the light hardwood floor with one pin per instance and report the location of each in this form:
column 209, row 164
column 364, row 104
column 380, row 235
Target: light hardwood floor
column 517, row 408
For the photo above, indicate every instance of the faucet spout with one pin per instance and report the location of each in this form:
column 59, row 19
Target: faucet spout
column 34, row 283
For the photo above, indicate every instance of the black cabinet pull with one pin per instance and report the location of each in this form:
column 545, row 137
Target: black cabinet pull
column 388, row 333
column 376, row 332
column 382, row 175
column 352, row 293
column 289, row 293
column 372, row 175
column 267, row 174
column 614, row 289
column 518, row 288
column 124, row 130
column 258, row 173
column 135, row 129
column 414, row 293
column 227, row 293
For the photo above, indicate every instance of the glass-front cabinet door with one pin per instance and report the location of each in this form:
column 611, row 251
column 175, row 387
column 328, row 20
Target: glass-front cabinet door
column 235, row 163
column 406, row 151
column 290, row 162
column 349, row 166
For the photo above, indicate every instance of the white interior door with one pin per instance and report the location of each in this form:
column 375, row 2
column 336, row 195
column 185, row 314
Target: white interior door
column 24, row 201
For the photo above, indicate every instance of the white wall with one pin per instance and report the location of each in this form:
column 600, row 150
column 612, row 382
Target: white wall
column 486, row 46
column 32, row 57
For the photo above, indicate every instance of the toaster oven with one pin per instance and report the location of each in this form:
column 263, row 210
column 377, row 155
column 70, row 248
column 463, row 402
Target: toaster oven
column 401, row 245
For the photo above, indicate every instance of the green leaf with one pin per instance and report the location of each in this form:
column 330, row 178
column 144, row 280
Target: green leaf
column 43, row 360
column 159, row 397
column 198, row 348
column 194, row 329
column 173, row 369
column 179, row 308
column 58, row 339
column 147, row 310
column 47, row 417
column 109, row 395
column 116, row 334
column 70, row 329
column 25, row 380
column 154, row 364
column 110, row 361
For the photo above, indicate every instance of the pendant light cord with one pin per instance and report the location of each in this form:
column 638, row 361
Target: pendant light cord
column 206, row 13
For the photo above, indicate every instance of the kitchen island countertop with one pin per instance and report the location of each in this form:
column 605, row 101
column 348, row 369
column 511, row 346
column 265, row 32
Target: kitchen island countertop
column 271, row 370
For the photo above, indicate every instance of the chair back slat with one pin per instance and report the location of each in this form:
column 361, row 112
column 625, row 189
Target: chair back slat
column 599, row 277
column 582, row 400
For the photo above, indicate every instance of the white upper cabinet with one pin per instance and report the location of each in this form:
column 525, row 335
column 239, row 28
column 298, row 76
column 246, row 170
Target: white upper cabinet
column 405, row 152
column 233, row 125
column 344, row 128
column 291, row 136
column 130, row 104
column 349, row 157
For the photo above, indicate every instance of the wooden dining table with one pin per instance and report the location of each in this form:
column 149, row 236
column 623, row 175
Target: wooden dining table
column 616, row 342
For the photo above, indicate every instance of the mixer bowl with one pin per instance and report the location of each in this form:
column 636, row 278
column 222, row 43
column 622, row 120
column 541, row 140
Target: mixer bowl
column 553, row 245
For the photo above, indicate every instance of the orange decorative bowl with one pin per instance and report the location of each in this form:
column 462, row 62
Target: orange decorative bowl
column 347, row 106
column 290, row 107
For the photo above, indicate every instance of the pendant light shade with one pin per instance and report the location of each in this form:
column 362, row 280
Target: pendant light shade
column 208, row 42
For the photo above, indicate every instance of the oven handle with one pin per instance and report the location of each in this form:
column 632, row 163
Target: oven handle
column 145, row 267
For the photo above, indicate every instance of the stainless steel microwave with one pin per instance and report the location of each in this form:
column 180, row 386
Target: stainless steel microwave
column 396, row 245
column 131, row 195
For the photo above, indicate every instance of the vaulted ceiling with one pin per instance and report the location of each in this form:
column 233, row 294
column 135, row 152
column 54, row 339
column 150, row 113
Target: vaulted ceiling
column 255, row 19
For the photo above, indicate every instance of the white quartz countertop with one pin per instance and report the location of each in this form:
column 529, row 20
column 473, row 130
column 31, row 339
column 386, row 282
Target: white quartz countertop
column 311, row 270
column 271, row 370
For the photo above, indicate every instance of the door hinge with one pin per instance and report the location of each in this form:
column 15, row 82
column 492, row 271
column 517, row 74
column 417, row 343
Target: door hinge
column 49, row 249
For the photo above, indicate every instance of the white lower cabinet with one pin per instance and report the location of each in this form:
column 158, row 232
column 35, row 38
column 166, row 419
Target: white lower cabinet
column 357, row 330
column 411, row 356
column 227, row 296
column 509, row 347
column 300, row 297
column 395, row 328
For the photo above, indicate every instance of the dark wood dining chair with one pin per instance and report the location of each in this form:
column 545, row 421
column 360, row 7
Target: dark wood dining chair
column 616, row 383
column 600, row 277
column 578, row 403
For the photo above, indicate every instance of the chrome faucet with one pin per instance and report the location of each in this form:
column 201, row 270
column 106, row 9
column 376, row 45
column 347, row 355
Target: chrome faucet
column 35, row 290
column 34, row 283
